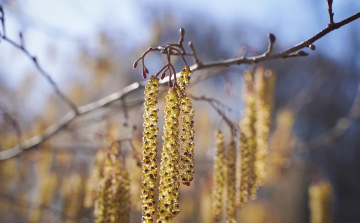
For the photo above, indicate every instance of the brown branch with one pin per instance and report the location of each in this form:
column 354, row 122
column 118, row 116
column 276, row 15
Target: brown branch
column 291, row 52
column 21, row 47
column 331, row 14
column 65, row 120
column 55, row 128
column 233, row 126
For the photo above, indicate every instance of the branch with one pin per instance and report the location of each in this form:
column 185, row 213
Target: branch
column 55, row 128
column 331, row 14
column 341, row 126
column 21, row 47
column 65, row 120
column 233, row 126
column 291, row 52
column 12, row 121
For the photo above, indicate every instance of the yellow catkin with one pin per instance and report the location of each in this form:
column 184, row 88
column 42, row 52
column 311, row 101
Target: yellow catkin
column 169, row 167
column 95, row 177
column 149, row 167
column 218, row 177
column 47, row 184
column 264, row 84
column 187, row 128
column 247, row 148
column 320, row 202
column 231, row 171
column 113, row 202
column 72, row 191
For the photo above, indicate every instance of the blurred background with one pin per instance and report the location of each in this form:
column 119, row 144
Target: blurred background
column 88, row 48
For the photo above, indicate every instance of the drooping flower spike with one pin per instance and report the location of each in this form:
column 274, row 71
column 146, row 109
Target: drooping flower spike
column 149, row 166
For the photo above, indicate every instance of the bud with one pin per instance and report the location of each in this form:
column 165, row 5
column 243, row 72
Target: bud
column 144, row 74
column 271, row 38
column 163, row 75
column 135, row 64
column 312, row 47
column 302, row 53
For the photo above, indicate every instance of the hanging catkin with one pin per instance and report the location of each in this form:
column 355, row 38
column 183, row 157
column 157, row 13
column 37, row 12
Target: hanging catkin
column 149, row 167
column 113, row 203
column 187, row 129
column 246, row 176
column 264, row 84
column 169, row 167
column 231, row 171
column 218, row 177
column 320, row 202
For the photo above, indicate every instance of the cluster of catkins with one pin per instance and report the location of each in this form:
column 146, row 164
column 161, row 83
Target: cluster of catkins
column 112, row 203
column 245, row 171
column 178, row 105
column 109, row 186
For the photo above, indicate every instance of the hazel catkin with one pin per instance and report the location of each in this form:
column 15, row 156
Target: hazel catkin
column 113, row 203
column 231, row 171
column 187, row 129
column 149, row 167
column 168, row 205
column 320, row 202
column 264, row 84
column 218, row 177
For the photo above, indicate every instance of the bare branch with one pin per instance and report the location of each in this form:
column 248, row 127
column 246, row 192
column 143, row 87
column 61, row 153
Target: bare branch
column 35, row 61
column 331, row 14
column 233, row 126
column 342, row 125
column 64, row 121
column 196, row 59
column 284, row 54
column 12, row 121
column 272, row 40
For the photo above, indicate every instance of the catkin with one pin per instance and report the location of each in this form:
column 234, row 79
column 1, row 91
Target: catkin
column 187, row 129
column 72, row 190
column 231, row 171
column 247, row 148
column 320, row 202
column 218, row 177
column 264, row 84
column 149, row 167
column 113, row 203
column 95, row 177
column 169, row 167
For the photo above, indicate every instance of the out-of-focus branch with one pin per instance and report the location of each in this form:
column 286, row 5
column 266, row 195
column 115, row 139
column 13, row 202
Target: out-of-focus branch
column 342, row 125
column 21, row 47
column 216, row 104
column 64, row 121
column 12, row 121
column 55, row 128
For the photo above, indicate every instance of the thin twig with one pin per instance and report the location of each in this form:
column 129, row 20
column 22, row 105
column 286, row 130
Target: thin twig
column 65, row 120
column 12, row 121
column 35, row 61
column 233, row 126
column 342, row 125
column 331, row 14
